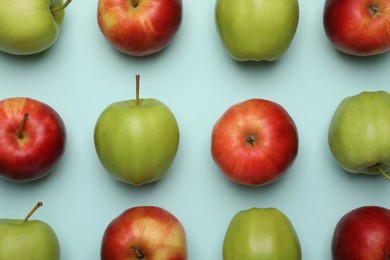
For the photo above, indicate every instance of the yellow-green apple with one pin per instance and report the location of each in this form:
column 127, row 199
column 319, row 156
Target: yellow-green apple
column 358, row 27
column 137, row 140
column 139, row 27
column 359, row 133
column 261, row 233
column 29, row 27
column 25, row 239
column 255, row 30
column 362, row 234
column 32, row 139
column 144, row 232
column 254, row 142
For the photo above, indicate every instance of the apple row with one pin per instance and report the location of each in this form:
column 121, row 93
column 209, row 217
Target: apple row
column 144, row 27
column 254, row 143
column 150, row 232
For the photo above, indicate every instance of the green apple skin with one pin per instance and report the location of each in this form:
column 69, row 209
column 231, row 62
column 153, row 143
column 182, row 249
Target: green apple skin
column 359, row 133
column 256, row 30
column 137, row 144
column 30, row 240
column 261, row 233
column 29, row 27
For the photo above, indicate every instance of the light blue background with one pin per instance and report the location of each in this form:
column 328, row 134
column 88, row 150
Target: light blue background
column 81, row 75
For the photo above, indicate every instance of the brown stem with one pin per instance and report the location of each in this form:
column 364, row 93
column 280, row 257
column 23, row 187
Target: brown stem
column 387, row 176
column 32, row 211
column 137, row 77
column 61, row 7
column 20, row 130
column 138, row 253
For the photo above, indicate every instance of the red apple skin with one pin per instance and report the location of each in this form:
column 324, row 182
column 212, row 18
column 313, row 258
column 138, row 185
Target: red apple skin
column 254, row 142
column 153, row 231
column 43, row 143
column 142, row 28
column 363, row 234
column 358, row 27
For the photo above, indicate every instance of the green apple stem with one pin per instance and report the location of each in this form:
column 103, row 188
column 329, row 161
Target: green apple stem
column 387, row 176
column 137, row 77
column 61, row 7
column 32, row 211
column 138, row 254
column 20, row 130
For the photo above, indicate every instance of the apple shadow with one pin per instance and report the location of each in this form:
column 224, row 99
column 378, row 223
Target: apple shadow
column 353, row 59
column 30, row 58
column 142, row 58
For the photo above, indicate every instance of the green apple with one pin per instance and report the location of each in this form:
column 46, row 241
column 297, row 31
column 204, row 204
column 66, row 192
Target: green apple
column 255, row 30
column 359, row 133
column 29, row 27
column 261, row 233
column 24, row 239
column 137, row 140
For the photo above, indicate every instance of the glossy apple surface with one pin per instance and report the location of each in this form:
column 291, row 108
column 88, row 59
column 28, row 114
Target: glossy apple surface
column 359, row 133
column 137, row 140
column 254, row 142
column 144, row 232
column 358, row 27
column 24, row 239
column 361, row 234
column 139, row 27
column 30, row 27
column 32, row 139
column 255, row 30
column 261, row 233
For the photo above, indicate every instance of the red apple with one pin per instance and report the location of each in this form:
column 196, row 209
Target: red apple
column 254, row 142
column 358, row 27
column 32, row 139
column 144, row 232
column 139, row 27
column 362, row 234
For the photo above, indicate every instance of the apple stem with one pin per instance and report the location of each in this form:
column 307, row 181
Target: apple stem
column 387, row 176
column 20, row 131
column 137, row 77
column 61, row 7
column 138, row 254
column 32, row 211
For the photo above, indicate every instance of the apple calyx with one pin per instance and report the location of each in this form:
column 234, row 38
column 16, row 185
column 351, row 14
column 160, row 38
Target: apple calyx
column 137, row 77
column 138, row 253
column 134, row 3
column 387, row 176
column 250, row 140
column 19, row 134
column 32, row 211
column 374, row 9
column 61, row 7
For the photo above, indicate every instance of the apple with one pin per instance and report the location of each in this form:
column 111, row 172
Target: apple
column 256, row 30
column 32, row 139
column 361, row 234
column 25, row 239
column 137, row 140
column 261, row 233
column 144, row 232
column 139, row 27
column 254, row 142
column 358, row 27
column 359, row 133
column 30, row 27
